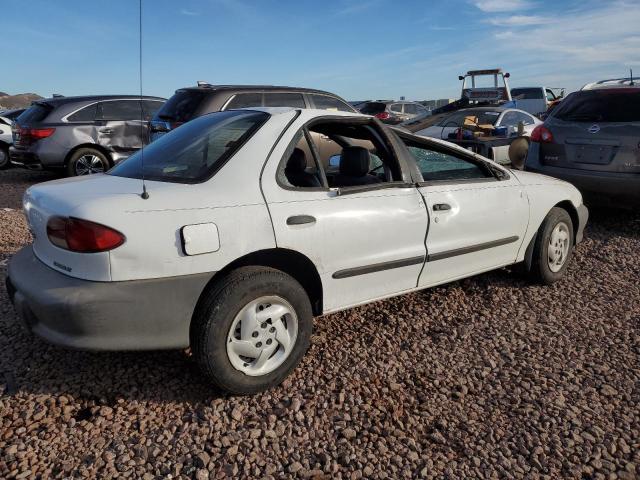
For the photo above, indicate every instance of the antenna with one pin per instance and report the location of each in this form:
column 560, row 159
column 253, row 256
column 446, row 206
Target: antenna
column 144, row 193
column 631, row 83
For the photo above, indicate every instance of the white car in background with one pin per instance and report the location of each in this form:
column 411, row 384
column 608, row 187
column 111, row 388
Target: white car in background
column 5, row 141
column 496, row 116
column 247, row 230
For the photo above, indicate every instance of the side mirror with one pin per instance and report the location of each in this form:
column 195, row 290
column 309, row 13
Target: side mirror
column 507, row 75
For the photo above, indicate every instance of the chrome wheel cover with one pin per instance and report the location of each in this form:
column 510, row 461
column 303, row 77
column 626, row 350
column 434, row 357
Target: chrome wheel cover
column 558, row 248
column 89, row 164
column 262, row 336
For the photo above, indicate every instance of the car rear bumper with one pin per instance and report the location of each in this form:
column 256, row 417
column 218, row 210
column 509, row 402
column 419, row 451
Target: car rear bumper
column 131, row 315
column 24, row 158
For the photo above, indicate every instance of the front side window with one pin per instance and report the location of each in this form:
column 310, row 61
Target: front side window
column 119, row 110
column 195, row 151
column 325, row 102
column 442, row 166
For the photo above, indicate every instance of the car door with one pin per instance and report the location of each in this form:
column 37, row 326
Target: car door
column 478, row 212
column 367, row 241
column 120, row 125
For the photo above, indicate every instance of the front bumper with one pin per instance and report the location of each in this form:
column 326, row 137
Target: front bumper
column 132, row 315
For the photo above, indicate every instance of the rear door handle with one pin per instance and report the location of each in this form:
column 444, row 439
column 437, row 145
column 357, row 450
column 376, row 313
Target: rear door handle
column 300, row 220
column 441, row 207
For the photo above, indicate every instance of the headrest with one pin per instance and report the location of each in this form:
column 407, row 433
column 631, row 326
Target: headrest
column 354, row 161
column 297, row 161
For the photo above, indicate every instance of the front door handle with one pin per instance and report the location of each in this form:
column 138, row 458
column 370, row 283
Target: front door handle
column 441, row 207
column 300, row 220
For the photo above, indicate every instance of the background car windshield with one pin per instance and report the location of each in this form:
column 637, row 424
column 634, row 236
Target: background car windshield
column 600, row 106
column 182, row 106
column 196, row 150
column 526, row 93
column 457, row 119
column 373, row 108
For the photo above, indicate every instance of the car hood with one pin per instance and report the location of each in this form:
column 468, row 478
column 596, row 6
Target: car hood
column 530, row 178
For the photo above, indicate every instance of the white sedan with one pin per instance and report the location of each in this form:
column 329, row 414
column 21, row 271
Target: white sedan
column 246, row 230
column 509, row 118
column 5, row 141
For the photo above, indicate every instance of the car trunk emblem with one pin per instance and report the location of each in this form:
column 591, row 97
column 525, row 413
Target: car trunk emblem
column 594, row 128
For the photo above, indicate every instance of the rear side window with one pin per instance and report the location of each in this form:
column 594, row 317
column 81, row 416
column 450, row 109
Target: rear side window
column 245, row 100
column 410, row 108
column 396, row 107
column 196, row 150
column 600, row 106
column 182, row 107
column 373, row 108
column 440, row 166
column 325, row 102
column 36, row 113
column 278, row 99
column 86, row 114
column 119, row 110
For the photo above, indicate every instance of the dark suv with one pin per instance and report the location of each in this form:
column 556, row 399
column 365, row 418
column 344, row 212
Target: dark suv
column 592, row 139
column 82, row 134
column 191, row 102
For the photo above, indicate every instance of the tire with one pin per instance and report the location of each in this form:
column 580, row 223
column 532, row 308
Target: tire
column 218, row 332
column 4, row 157
column 89, row 161
column 554, row 241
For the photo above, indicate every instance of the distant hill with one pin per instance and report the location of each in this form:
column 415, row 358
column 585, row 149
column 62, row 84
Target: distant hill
column 22, row 100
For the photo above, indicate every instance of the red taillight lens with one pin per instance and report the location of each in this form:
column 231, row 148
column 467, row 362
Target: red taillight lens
column 38, row 133
column 383, row 115
column 82, row 236
column 541, row 134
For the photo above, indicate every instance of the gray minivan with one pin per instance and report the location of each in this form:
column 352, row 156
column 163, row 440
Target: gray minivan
column 83, row 135
column 592, row 139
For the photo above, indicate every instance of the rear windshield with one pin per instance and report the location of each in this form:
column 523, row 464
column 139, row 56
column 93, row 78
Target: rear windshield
column 182, row 107
column 527, row 93
column 196, row 151
column 600, row 106
column 479, row 117
column 373, row 108
column 36, row 113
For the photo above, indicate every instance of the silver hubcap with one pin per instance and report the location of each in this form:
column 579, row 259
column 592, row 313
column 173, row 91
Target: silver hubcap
column 262, row 335
column 558, row 246
column 88, row 164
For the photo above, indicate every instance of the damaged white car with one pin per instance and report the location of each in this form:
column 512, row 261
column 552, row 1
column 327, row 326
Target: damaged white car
column 251, row 224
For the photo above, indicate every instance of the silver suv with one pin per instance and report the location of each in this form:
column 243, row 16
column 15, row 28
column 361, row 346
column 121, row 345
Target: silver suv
column 592, row 139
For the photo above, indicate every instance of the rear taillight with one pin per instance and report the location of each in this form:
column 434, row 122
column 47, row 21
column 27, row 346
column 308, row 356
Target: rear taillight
column 82, row 236
column 30, row 135
column 382, row 115
column 541, row 134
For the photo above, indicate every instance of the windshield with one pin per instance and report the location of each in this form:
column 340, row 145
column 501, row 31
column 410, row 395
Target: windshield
column 527, row 93
column 196, row 150
column 613, row 105
column 181, row 107
column 481, row 117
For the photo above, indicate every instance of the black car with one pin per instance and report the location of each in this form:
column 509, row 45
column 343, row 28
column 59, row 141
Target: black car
column 592, row 139
column 392, row 112
column 82, row 134
column 191, row 102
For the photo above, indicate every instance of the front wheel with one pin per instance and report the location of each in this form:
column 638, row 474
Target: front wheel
column 4, row 157
column 251, row 329
column 553, row 247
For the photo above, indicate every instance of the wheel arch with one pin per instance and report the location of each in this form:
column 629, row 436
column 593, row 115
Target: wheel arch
column 94, row 146
column 291, row 262
column 573, row 213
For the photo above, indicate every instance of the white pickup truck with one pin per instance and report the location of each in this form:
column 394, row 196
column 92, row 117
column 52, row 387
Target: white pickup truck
column 246, row 230
column 536, row 100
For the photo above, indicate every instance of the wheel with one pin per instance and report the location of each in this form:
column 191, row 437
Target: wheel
column 4, row 157
column 553, row 247
column 87, row 161
column 251, row 329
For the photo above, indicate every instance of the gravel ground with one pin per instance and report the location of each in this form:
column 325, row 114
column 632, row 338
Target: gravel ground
column 485, row 378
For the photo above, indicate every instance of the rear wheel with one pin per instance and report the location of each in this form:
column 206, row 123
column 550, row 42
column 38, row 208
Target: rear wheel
column 4, row 157
column 251, row 329
column 87, row 161
column 553, row 247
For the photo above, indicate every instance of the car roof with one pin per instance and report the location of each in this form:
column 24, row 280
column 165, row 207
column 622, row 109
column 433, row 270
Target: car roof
column 613, row 83
column 307, row 112
column 241, row 88
column 57, row 101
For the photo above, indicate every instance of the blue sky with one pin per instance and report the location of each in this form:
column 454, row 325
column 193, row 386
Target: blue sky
column 357, row 49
